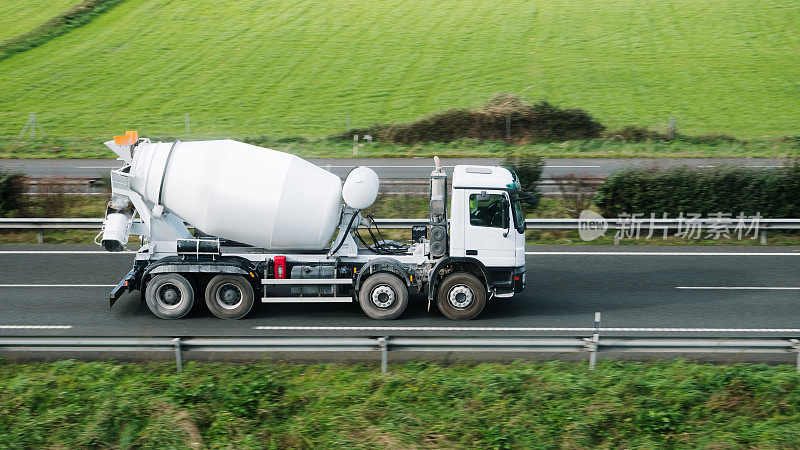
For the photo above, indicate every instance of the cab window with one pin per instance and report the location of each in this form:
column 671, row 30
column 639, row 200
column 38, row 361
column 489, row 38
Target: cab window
column 487, row 210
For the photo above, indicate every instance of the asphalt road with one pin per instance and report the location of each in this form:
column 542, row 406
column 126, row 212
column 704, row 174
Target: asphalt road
column 647, row 288
column 396, row 168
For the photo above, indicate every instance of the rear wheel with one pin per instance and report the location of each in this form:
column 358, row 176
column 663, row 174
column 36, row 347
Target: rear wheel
column 461, row 296
column 229, row 296
column 383, row 296
column 169, row 296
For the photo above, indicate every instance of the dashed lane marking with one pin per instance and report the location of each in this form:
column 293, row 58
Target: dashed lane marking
column 578, row 329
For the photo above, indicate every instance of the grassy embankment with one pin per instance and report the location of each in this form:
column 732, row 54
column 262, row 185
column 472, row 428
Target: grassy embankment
column 22, row 16
column 298, row 68
column 271, row 405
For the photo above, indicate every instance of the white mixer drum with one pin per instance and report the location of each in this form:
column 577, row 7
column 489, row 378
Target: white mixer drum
column 241, row 192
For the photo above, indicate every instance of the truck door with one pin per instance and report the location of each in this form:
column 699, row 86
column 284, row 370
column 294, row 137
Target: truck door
column 489, row 234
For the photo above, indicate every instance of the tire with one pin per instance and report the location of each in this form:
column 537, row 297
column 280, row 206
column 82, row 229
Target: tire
column 383, row 296
column 229, row 296
column 461, row 296
column 169, row 296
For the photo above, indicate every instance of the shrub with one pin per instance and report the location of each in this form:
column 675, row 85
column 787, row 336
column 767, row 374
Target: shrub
column 529, row 173
column 11, row 192
column 769, row 192
column 505, row 117
column 635, row 133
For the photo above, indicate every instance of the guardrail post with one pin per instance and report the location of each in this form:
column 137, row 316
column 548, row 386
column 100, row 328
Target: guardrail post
column 763, row 237
column 383, row 343
column 40, row 236
column 593, row 347
column 178, row 356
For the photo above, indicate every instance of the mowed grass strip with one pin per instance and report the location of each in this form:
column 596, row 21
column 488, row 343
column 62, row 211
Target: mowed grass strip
column 21, row 16
column 299, row 67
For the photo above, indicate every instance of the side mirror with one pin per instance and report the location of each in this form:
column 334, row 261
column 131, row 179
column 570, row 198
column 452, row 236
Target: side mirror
column 506, row 207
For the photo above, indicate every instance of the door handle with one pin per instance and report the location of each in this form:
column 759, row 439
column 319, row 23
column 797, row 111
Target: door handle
column 472, row 252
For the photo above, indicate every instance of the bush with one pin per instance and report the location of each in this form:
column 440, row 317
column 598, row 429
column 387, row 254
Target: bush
column 11, row 191
column 529, row 173
column 635, row 133
column 769, row 192
column 529, row 122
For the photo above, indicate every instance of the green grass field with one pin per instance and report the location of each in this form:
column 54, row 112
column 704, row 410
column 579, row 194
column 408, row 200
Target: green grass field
column 21, row 16
column 299, row 67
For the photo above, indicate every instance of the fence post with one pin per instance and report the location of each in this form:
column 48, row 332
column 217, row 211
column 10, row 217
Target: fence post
column 383, row 343
column 178, row 356
column 40, row 236
column 355, row 144
column 796, row 348
column 594, row 348
column 672, row 128
column 763, row 237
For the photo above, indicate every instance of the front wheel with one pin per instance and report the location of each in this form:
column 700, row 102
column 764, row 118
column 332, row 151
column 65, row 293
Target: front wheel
column 169, row 296
column 383, row 296
column 461, row 296
column 229, row 296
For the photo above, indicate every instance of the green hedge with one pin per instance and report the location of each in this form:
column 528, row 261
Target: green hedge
column 773, row 193
column 11, row 190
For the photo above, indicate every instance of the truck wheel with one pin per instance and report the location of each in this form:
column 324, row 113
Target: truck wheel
column 229, row 296
column 383, row 296
column 169, row 296
column 461, row 296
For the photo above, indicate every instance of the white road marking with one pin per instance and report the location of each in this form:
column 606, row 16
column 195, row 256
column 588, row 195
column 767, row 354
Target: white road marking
column 778, row 288
column 579, row 329
column 95, row 252
column 55, row 285
column 425, row 167
column 669, row 253
column 96, row 167
column 35, row 327
column 755, row 166
column 571, row 167
column 62, row 252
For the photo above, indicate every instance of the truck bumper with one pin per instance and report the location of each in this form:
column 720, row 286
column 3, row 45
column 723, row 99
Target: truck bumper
column 519, row 279
column 125, row 285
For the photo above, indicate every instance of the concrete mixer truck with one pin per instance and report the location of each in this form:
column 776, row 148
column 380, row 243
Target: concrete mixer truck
column 263, row 225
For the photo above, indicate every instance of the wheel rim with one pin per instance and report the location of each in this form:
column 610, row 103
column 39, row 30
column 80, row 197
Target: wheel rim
column 169, row 296
column 460, row 297
column 229, row 296
column 383, row 296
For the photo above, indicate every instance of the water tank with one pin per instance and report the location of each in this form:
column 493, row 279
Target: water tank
column 241, row 192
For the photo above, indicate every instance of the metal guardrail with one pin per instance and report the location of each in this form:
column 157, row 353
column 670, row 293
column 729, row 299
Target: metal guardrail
column 658, row 225
column 536, row 224
column 384, row 345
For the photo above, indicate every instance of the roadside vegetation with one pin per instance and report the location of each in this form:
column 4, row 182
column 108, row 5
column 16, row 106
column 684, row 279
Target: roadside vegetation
column 70, row 404
column 680, row 147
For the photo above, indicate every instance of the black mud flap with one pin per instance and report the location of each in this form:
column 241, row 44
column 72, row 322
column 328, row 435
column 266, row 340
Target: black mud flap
column 123, row 286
